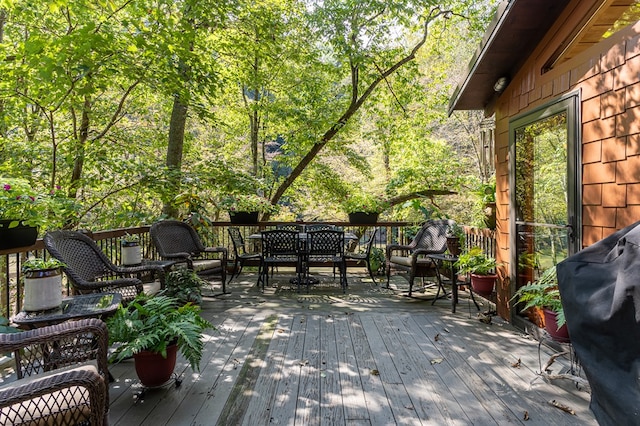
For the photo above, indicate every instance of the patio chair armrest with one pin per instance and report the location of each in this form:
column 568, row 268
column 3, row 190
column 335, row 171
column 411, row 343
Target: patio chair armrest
column 34, row 397
column 396, row 247
column 157, row 270
column 422, row 252
column 222, row 250
column 60, row 335
column 118, row 282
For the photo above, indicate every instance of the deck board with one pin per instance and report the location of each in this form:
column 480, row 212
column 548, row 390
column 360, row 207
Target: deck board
column 370, row 357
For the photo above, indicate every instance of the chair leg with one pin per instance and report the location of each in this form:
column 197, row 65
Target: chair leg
column 368, row 266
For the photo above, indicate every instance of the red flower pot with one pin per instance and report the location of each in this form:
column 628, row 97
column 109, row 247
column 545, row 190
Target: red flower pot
column 153, row 369
column 551, row 325
column 483, row 284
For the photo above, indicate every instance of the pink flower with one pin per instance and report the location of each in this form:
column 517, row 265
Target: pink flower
column 7, row 187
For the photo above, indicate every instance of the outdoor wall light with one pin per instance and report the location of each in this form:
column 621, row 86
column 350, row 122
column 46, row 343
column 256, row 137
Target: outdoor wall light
column 501, row 84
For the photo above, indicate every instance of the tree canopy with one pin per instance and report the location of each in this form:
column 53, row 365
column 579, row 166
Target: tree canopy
column 143, row 108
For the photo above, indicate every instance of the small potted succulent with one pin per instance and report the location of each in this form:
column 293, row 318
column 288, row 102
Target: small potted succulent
column 42, row 284
column 131, row 252
column 481, row 269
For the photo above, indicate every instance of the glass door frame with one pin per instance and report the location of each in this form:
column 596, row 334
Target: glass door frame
column 569, row 103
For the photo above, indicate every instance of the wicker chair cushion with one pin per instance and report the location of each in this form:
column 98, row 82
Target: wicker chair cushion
column 206, row 264
column 67, row 406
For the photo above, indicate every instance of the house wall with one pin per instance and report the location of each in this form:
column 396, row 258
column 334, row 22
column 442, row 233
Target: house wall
column 608, row 78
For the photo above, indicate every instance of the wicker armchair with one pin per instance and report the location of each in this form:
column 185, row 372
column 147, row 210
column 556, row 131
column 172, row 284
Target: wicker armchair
column 412, row 258
column 61, row 375
column 178, row 241
column 90, row 271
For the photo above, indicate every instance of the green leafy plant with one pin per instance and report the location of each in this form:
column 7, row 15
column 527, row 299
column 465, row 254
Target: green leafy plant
column 20, row 203
column 364, row 203
column 376, row 259
column 474, row 261
column 543, row 293
column 456, row 231
column 185, row 285
column 248, row 203
column 39, row 264
column 153, row 323
column 130, row 239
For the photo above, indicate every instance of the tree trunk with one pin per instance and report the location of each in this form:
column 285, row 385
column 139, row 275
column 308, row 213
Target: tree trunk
column 174, row 152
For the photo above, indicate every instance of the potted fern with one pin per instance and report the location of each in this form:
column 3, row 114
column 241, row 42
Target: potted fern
column 152, row 330
column 543, row 293
column 185, row 285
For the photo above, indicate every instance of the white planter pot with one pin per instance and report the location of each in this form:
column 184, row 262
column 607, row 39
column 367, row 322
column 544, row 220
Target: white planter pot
column 131, row 255
column 42, row 290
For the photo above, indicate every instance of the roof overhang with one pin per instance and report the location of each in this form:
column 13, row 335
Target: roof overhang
column 516, row 29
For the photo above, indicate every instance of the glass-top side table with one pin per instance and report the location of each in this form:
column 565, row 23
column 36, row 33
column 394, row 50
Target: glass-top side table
column 95, row 305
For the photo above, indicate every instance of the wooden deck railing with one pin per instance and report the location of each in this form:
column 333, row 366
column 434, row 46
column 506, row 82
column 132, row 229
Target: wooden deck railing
column 216, row 235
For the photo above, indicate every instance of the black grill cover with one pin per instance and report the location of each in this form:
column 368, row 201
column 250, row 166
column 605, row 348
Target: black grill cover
column 600, row 291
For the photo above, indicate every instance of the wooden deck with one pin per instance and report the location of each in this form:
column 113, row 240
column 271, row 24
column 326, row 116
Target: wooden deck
column 370, row 357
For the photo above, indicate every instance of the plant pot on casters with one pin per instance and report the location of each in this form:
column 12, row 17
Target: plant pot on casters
column 148, row 324
column 131, row 252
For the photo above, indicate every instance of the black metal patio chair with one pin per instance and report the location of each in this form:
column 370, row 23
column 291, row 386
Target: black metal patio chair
column 280, row 247
column 241, row 255
column 326, row 246
column 363, row 256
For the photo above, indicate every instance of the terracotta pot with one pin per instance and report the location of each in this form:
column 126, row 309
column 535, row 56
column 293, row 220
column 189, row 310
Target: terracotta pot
column 551, row 325
column 453, row 245
column 42, row 290
column 18, row 236
column 362, row 218
column 243, row 217
column 483, row 284
column 153, row 369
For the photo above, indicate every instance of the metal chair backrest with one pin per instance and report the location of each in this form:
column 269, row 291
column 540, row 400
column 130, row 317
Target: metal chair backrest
column 83, row 259
column 290, row 227
column 237, row 240
column 319, row 227
column 325, row 243
column 370, row 241
column 173, row 236
column 280, row 243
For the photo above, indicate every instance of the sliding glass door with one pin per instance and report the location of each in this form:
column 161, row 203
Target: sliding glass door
column 545, row 182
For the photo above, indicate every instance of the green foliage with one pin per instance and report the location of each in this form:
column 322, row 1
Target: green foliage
column 361, row 202
column 247, row 203
column 377, row 260
column 152, row 323
column 185, row 285
column 39, row 264
column 474, row 261
column 5, row 326
column 19, row 201
column 543, row 293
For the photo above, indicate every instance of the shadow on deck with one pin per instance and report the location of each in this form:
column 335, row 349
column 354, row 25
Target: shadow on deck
column 371, row 356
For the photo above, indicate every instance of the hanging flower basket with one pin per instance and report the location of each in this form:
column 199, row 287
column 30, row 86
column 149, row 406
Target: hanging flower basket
column 18, row 236
column 243, row 217
column 363, row 218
